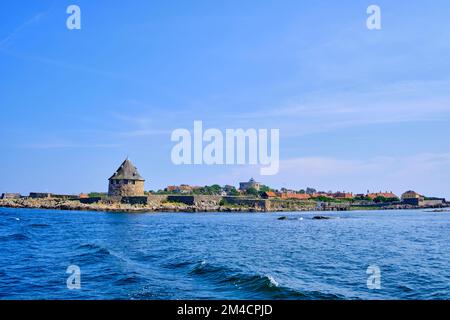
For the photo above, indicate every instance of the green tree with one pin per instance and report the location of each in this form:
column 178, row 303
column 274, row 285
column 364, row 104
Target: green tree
column 216, row 189
column 96, row 194
column 233, row 192
column 325, row 199
column 252, row 192
column 381, row 199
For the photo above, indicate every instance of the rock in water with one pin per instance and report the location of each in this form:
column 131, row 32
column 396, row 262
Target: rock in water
column 321, row 218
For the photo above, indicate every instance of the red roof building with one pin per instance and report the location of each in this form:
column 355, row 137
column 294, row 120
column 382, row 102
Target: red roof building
column 387, row 195
column 269, row 194
column 297, row 196
column 343, row 195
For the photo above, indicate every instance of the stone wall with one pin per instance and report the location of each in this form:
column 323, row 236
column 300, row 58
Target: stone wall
column 39, row 195
column 10, row 196
column 205, row 201
column 195, row 200
column 212, row 203
column 248, row 202
column 65, row 196
column 126, row 190
column 189, row 200
column 90, row 200
column 156, row 199
column 411, row 201
column 291, row 205
column 433, row 203
column 135, row 200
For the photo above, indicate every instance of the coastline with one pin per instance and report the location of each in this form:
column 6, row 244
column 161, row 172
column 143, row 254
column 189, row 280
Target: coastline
column 57, row 204
column 74, row 205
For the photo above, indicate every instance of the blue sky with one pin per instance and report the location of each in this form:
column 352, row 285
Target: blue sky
column 356, row 109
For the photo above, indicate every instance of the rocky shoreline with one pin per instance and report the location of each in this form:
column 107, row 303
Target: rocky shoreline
column 57, row 204
column 60, row 204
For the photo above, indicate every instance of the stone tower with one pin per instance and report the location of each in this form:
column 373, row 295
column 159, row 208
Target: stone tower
column 126, row 181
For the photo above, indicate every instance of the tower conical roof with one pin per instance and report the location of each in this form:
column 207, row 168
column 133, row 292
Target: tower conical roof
column 127, row 171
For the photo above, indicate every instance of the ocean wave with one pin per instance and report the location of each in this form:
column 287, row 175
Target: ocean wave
column 14, row 237
column 259, row 286
column 92, row 252
column 93, row 246
column 177, row 264
column 128, row 280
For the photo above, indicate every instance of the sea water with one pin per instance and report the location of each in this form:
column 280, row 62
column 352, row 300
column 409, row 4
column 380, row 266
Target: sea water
column 224, row 255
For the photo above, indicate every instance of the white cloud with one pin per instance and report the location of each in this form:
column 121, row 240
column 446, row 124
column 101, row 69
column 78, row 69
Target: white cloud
column 412, row 101
column 33, row 20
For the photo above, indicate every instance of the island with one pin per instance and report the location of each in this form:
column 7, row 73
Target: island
column 126, row 194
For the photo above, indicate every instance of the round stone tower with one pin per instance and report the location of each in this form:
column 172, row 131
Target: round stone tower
column 126, row 181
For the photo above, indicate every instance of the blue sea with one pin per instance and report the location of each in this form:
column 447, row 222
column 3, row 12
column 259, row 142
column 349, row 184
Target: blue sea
column 224, row 255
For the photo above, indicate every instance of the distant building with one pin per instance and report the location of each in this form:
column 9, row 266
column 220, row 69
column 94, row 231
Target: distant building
column 183, row 188
column 269, row 195
column 65, row 196
column 411, row 195
column 126, row 181
column 412, row 198
column 296, row 196
column 416, row 199
column 287, row 191
column 10, row 196
column 387, row 195
column 321, row 194
column 250, row 184
column 40, row 195
column 45, row 195
column 342, row 195
column 433, row 202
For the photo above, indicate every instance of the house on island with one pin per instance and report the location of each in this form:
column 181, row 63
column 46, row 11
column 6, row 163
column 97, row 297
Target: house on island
column 126, row 181
column 244, row 186
column 342, row 195
column 285, row 196
column 412, row 198
column 386, row 195
column 295, row 196
column 7, row 195
column 269, row 195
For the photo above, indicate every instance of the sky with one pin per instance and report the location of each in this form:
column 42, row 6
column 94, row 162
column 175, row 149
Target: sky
column 357, row 109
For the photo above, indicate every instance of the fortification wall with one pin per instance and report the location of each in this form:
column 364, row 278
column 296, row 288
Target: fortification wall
column 247, row 202
column 156, row 199
column 206, row 201
column 90, row 200
column 287, row 205
column 126, row 190
column 135, row 200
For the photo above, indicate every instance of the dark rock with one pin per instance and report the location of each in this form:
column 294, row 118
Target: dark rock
column 321, row 218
